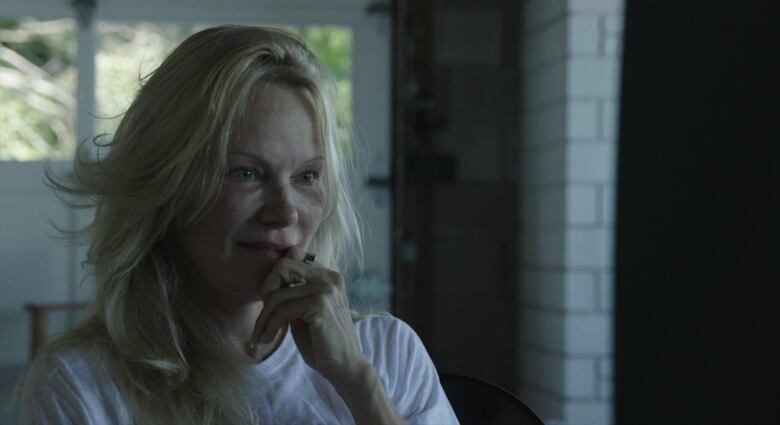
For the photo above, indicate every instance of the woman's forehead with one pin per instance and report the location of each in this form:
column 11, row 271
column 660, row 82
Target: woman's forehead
column 279, row 125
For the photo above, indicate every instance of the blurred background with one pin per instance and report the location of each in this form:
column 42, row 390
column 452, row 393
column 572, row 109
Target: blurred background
column 487, row 133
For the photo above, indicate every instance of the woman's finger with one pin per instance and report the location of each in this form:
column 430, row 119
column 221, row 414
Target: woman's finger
column 295, row 254
column 290, row 270
column 282, row 295
column 308, row 309
column 286, row 272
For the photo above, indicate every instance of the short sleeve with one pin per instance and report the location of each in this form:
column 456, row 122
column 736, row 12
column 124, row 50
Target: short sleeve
column 409, row 375
column 69, row 388
column 48, row 398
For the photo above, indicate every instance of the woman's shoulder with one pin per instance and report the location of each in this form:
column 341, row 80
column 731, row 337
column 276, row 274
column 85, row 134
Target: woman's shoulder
column 68, row 385
column 63, row 364
column 386, row 337
column 383, row 325
column 405, row 368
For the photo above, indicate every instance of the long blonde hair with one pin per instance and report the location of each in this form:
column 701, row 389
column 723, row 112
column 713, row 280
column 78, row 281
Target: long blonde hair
column 164, row 168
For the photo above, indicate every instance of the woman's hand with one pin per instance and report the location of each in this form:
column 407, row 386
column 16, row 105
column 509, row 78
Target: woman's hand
column 313, row 300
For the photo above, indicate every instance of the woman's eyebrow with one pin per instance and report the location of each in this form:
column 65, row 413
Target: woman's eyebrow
column 253, row 157
column 315, row 159
column 266, row 162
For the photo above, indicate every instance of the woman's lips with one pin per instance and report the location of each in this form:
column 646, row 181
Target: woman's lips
column 266, row 249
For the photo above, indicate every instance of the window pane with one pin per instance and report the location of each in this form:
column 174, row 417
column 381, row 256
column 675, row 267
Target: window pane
column 37, row 86
column 127, row 53
column 333, row 45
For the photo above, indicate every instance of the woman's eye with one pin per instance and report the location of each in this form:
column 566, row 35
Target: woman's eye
column 309, row 177
column 245, row 174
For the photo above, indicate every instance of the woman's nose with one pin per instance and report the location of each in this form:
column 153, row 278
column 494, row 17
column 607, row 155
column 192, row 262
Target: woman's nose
column 278, row 209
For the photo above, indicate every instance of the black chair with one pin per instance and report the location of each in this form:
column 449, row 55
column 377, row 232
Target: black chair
column 480, row 402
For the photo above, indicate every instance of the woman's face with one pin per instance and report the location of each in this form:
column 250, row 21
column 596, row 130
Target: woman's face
column 272, row 198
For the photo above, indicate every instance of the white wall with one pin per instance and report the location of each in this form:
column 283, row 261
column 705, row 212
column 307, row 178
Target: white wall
column 36, row 265
column 570, row 75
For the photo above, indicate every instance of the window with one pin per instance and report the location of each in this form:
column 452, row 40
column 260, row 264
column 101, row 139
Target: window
column 37, row 86
column 38, row 77
column 126, row 53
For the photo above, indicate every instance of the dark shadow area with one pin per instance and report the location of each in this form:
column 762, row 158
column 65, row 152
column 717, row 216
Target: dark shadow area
column 697, row 280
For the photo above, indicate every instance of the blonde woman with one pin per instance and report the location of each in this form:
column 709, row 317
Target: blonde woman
column 222, row 217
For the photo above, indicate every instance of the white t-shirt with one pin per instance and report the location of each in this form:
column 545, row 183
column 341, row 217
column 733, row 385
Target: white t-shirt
column 72, row 388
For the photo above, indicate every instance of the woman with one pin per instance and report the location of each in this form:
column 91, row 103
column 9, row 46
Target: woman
column 222, row 181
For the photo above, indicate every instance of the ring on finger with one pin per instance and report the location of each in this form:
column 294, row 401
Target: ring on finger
column 309, row 258
column 293, row 284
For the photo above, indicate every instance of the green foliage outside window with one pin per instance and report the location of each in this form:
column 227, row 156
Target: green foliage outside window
column 37, row 86
column 333, row 45
column 38, row 77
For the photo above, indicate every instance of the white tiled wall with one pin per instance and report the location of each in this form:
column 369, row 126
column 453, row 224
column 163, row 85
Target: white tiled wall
column 570, row 76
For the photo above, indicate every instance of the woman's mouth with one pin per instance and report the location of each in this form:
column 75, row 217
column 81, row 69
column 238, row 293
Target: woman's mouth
column 266, row 249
